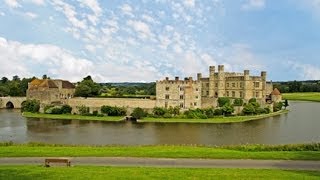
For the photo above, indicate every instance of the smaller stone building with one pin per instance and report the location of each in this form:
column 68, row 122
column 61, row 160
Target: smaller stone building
column 49, row 91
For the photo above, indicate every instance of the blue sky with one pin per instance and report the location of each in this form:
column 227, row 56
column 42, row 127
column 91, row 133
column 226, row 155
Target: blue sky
column 146, row 40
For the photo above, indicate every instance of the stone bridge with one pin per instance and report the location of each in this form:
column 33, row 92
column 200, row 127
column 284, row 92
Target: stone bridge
column 11, row 102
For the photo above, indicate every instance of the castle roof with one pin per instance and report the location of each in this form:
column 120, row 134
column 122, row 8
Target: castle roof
column 48, row 84
column 67, row 85
column 276, row 92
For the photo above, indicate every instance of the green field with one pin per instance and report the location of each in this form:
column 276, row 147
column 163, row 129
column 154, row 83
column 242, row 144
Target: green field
column 232, row 119
column 286, row 152
column 302, row 96
column 72, row 117
column 99, row 172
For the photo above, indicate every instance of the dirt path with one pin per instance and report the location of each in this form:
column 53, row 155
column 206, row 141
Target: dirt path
column 168, row 162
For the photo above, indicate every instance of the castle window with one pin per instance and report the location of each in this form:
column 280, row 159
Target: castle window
column 256, row 84
column 207, row 84
column 197, row 97
column 257, row 94
column 228, row 93
column 207, row 93
column 241, row 85
column 166, row 104
column 216, row 84
column 195, row 104
column 167, row 88
column 233, row 84
column 233, row 94
column 227, row 84
column 167, row 96
column 181, row 88
column 181, row 96
column 181, row 105
column 197, row 89
column 241, row 95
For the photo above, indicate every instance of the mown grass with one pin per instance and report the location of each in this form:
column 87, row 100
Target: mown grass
column 71, row 117
column 100, row 172
column 285, row 152
column 232, row 119
column 314, row 96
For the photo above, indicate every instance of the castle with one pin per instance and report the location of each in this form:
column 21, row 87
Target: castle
column 204, row 91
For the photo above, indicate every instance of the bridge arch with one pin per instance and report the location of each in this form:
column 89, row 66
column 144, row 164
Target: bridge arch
column 9, row 105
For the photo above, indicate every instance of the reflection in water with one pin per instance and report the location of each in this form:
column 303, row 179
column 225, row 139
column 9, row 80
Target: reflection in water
column 299, row 126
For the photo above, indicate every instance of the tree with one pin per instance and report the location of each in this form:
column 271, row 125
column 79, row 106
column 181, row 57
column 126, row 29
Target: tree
column 223, row 101
column 227, row 109
column 30, row 106
column 238, row 102
column 82, row 90
column 4, row 80
column 87, row 88
column 138, row 113
column 45, row 76
column 16, row 78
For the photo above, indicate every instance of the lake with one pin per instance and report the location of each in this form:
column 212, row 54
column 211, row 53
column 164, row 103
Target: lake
column 300, row 125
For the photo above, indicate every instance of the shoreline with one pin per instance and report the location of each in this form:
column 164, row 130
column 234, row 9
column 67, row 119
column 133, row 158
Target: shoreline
column 303, row 96
column 73, row 117
column 219, row 120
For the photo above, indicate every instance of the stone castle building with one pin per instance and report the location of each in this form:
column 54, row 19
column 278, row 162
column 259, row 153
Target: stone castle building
column 204, row 91
column 49, row 91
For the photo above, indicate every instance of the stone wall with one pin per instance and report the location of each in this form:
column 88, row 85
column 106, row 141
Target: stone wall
column 16, row 101
column 95, row 103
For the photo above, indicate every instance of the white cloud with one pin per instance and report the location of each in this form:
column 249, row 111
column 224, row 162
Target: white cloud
column 141, row 28
column 31, row 15
column 12, row 3
column 21, row 58
column 254, row 4
column 96, row 9
column 189, row 3
column 306, row 71
column 38, row 2
column 2, row 14
column 127, row 10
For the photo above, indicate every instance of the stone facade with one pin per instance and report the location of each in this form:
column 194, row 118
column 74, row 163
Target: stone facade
column 49, row 91
column 204, row 91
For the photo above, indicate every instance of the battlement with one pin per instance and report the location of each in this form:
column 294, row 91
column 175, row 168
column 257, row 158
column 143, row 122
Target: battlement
column 187, row 80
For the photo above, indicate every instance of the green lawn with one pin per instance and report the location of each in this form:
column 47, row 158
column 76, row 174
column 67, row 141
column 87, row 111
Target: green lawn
column 232, row 119
column 296, row 152
column 100, row 172
column 302, row 96
column 71, row 117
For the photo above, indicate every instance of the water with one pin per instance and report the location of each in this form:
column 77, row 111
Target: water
column 301, row 125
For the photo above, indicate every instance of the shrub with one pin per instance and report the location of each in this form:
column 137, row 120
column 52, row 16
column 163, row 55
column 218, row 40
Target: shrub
column 66, row 109
column 159, row 111
column 95, row 113
column 174, row 110
column 227, row 109
column 238, row 102
column 252, row 100
column 83, row 110
column 277, row 106
column 249, row 109
column 218, row 112
column 267, row 110
column 261, row 111
column 209, row 112
column 56, row 110
column 47, row 107
column 195, row 114
column 30, row 106
column 223, row 100
column 138, row 113
column 113, row 110
column 167, row 115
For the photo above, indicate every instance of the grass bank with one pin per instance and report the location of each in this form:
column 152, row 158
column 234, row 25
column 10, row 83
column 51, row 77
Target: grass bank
column 314, row 96
column 285, row 152
column 99, row 172
column 71, row 117
column 232, row 119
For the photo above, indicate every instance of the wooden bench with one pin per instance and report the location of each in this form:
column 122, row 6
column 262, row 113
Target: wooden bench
column 58, row 160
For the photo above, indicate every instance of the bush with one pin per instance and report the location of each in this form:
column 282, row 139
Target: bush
column 47, row 107
column 138, row 113
column 209, row 112
column 83, row 110
column 167, row 115
column 66, row 109
column 277, row 106
column 113, row 110
column 238, row 102
column 174, row 110
column 159, row 111
column 56, row 110
column 30, row 106
column 218, row 112
column 227, row 109
column 267, row 110
column 252, row 100
column 261, row 111
column 223, row 101
column 95, row 113
column 249, row 109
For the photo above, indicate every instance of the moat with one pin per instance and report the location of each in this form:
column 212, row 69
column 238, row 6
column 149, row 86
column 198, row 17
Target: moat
column 301, row 125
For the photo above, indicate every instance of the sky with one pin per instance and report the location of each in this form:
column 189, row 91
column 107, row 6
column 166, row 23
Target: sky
column 147, row 40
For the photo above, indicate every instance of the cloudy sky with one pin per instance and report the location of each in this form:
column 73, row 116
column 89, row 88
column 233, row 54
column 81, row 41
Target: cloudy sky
column 146, row 40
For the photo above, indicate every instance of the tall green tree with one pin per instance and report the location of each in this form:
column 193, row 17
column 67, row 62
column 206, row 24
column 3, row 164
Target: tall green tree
column 87, row 88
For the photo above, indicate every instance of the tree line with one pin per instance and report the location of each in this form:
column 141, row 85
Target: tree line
column 298, row 86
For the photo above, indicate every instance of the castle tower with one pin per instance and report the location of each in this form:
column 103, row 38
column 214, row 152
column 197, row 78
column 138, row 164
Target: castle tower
column 211, row 81
column 264, row 83
column 247, row 86
column 221, row 81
